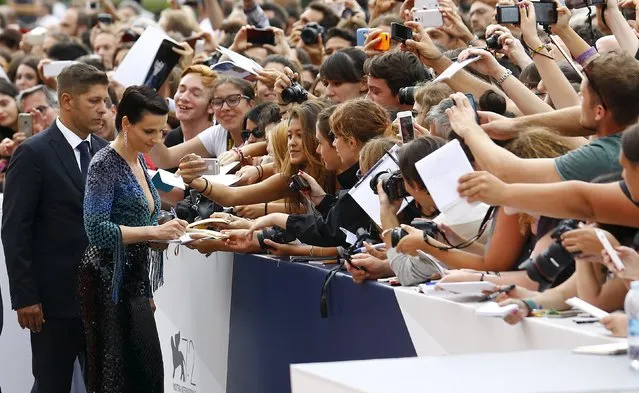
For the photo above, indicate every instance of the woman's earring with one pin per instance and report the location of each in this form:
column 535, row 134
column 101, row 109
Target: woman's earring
column 126, row 139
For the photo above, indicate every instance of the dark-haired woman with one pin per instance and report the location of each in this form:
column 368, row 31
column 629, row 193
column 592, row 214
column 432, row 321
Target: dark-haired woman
column 121, row 209
column 343, row 75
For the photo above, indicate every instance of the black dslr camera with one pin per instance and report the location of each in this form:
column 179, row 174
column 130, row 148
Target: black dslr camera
column 492, row 42
column 298, row 183
column 278, row 235
column 428, row 227
column 545, row 267
column 294, row 93
column 407, row 95
column 311, row 32
column 392, row 184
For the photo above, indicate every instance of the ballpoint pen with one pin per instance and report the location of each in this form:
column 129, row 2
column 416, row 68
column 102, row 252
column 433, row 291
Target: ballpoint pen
column 494, row 295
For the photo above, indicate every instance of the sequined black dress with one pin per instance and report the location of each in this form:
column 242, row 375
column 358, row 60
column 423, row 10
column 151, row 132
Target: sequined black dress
column 123, row 349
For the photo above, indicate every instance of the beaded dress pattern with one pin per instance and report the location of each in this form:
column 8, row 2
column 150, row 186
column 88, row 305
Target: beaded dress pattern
column 123, row 348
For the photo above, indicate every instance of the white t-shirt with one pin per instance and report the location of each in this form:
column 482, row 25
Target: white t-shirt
column 214, row 140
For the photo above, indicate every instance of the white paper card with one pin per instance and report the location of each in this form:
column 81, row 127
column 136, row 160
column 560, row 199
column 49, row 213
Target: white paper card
column 466, row 288
column 492, row 309
column 136, row 64
column 224, row 169
column 441, row 170
column 53, row 69
column 608, row 247
column 240, row 60
column 170, row 179
column 454, row 68
column 351, row 238
column 364, row 195
column 584, row 306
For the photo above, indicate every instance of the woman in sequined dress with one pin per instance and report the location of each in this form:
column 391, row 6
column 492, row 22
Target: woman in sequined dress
column 121, row 207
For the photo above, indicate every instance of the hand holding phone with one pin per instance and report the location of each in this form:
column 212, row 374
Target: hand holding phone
column 406, row 126
column 25, row 124
column 601, row 235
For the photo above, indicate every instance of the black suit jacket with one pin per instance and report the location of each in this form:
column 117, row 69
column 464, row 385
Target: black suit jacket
column 43, row 223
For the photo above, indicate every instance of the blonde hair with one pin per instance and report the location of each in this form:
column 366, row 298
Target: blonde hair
column 374, row 150
column 278, row 142
column 536, row 142
column 209, row 77
column 361, row 120
column 429, row 94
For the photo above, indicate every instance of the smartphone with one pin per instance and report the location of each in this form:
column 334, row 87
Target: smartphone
column 406, row 126
column 53, row 69
column 545, row 12
column 199, row 46
column 25, row 124
column 400, row 32
column 426, row 4
column 601, row 235
column 507, row 14
column 629, row 13
column 384, row 43
column 260, row 37
column 361, row 35
column 298, row 183
column 105, row 19
column 428, row 18
column 212, row 166
column 473, row 104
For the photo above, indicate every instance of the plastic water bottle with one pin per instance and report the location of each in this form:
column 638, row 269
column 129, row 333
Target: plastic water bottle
column 632, row 311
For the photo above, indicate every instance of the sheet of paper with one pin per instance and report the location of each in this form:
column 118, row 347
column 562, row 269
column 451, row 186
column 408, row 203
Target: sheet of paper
column 164, row 179
column 364, row 195
column 184, row 239
column 351, row 238
column 136, row 64
column 454, row 68
column 227, row 180
column 224, row 169
column 492, row 309
column 240, row 60
column 440, row 171
column 466, row 288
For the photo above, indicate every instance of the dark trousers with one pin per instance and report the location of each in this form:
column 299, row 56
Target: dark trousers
column 54, row 351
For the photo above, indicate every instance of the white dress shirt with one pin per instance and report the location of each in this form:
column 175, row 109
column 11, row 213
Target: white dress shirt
column 73, row 139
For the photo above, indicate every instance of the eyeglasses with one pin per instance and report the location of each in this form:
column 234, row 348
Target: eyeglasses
column 594, row 88
column 246, row 134
column 232, row 101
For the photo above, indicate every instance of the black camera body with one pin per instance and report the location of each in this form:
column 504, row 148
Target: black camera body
column 311, row 32
column 298, row 183
column 428, row 227
column 545, row 267
column 294, row 93
column 392, row 184
column 492, row 42
column 278, row 235
column 407, row 95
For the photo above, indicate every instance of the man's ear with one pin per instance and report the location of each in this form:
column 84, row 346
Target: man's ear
column 65, row 101
column 363, row 84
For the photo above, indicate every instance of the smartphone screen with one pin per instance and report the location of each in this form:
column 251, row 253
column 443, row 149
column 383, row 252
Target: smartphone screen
column 406, row 126
column 400, row 32
column 546, row 12
column 508, row 14
column 260, row 37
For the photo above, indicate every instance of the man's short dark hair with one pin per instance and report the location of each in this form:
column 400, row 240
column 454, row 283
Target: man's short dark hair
column 285, row 61
column 341, row 33
column 398, row 69
column 93, row 60
column 278, row 10
column 329, row 19
column 67, row 51
column 615, row 77
column 11, row 38
column 78, row 78
column 270, row 114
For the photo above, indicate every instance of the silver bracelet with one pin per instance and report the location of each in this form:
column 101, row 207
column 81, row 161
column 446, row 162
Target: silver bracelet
column 504, row 77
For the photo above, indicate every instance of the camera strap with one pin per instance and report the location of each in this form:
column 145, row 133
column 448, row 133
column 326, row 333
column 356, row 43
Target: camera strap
column 325, row 287
column 482, row 228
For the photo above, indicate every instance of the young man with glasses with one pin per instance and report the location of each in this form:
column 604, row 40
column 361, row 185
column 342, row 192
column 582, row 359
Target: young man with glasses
column 609, row 104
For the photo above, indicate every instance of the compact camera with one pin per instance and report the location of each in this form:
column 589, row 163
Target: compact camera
column 294, row 93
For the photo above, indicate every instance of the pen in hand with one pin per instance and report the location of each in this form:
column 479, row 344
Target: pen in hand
column 494, row 295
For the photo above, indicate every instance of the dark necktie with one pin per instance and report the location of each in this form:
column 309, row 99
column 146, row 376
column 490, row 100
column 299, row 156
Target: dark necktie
column 85, row 158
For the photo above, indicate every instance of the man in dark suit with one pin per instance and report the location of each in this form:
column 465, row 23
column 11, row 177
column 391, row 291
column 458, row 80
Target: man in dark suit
column 43, row 226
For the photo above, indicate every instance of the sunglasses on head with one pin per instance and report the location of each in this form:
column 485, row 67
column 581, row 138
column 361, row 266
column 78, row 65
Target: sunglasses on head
column 246, row 134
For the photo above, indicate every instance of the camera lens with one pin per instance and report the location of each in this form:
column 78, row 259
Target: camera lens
column 407, row 95
column 396, row 235
column 311, row 32
column 492, row 42
column 277, row 235
column 294, row 93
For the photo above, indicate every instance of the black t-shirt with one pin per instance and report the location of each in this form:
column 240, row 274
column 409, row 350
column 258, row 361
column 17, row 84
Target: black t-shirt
column 174, row 137
column 626, row 192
